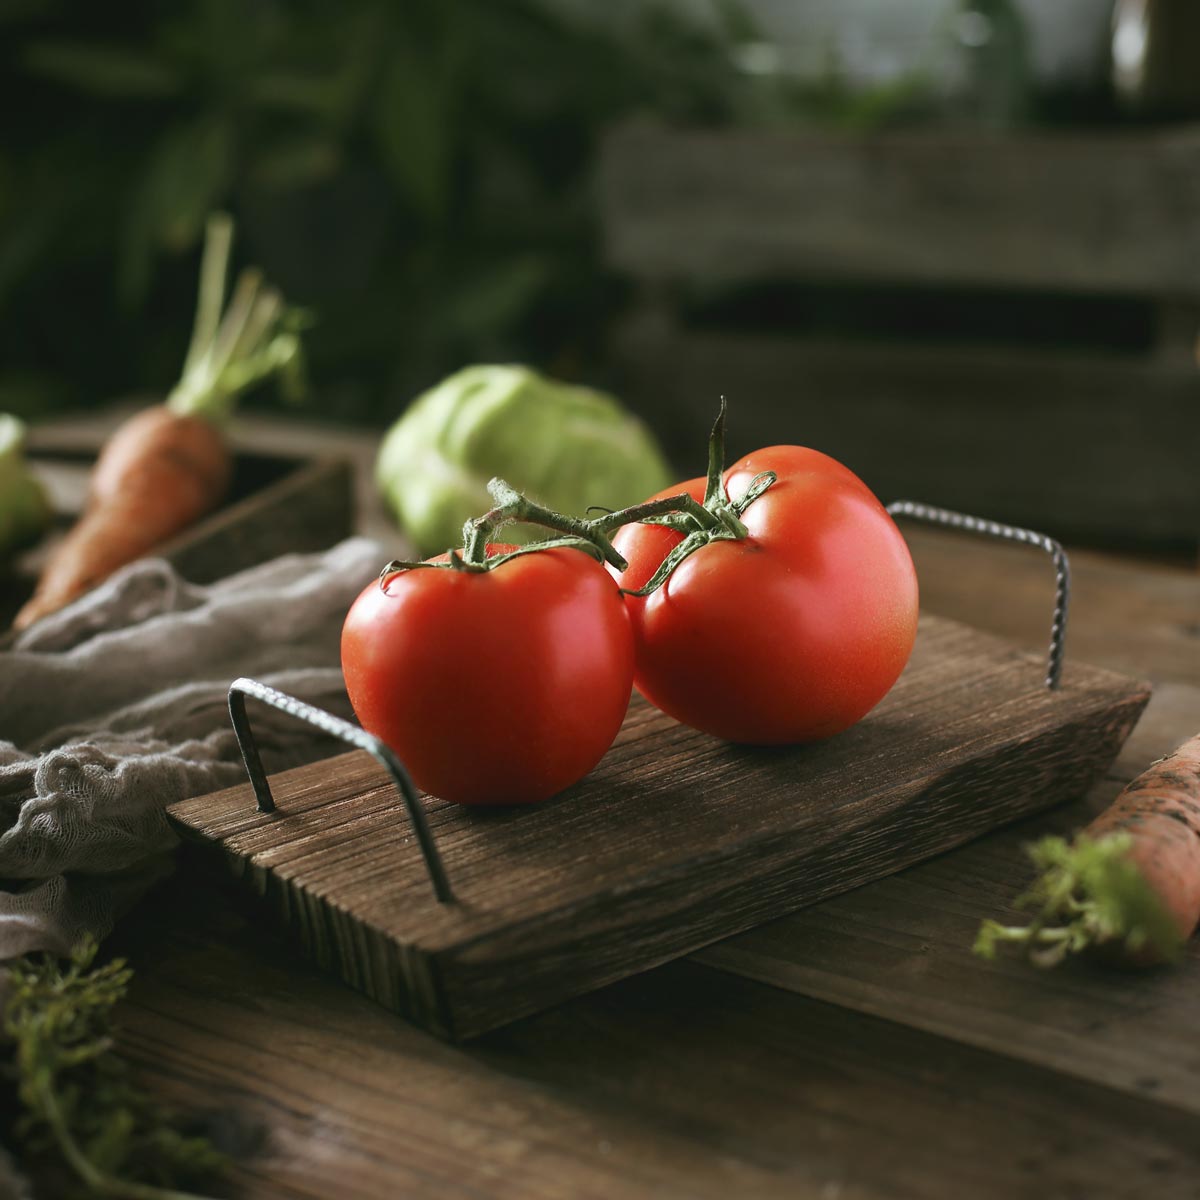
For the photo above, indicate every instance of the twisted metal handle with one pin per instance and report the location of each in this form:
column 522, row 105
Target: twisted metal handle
column 1010, row 533
column 239, row 689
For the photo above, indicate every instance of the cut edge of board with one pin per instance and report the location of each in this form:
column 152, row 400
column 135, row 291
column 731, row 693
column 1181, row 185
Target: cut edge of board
column 402, row 978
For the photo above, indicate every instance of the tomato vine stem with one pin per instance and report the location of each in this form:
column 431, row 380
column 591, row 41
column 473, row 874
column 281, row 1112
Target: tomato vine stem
column 724, row 515
column 718, row 518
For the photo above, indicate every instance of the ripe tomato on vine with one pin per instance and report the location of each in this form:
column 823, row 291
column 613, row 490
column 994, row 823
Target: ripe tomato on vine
column 772, row 602
column 494, row 686
column 786, row 618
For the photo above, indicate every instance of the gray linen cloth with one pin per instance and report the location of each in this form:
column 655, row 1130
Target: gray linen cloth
column 115, row 708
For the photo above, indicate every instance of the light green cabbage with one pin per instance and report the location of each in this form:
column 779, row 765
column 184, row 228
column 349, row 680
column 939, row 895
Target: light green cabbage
column 24, row 509
column 565, row 446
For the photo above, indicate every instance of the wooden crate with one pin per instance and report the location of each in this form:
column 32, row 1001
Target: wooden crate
column 1093, row 441
column 276, row 505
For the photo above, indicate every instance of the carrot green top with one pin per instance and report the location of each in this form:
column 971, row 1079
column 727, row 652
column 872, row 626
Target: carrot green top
column 256, row 336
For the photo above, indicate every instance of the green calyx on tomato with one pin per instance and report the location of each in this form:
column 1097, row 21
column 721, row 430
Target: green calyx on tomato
column 511, row 506
column 719, row 518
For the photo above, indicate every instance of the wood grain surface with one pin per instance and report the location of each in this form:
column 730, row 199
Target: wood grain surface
column 1096, row 448
column 1102, row 212
column 693, row 1082
column 902, row 950
column 684, row 1083
column 675, row 840
column 1141, row 618
column 1052, row 424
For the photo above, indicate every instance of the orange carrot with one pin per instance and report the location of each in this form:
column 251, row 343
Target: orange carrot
column 1129, row 886
column 158, row 473
column 170, row 464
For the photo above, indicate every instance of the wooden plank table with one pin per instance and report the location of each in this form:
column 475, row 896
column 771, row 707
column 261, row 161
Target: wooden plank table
column 855, row 1049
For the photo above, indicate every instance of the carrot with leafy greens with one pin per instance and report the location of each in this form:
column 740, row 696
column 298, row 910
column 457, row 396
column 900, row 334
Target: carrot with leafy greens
column 1129, row 885
column 169, row 464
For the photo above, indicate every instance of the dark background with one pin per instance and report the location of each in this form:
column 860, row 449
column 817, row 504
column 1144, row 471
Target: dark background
column 425, row 178
column 418, row 174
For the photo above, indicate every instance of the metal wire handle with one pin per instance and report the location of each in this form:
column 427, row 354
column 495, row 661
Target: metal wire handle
column 1010, row 533
column 239, row 689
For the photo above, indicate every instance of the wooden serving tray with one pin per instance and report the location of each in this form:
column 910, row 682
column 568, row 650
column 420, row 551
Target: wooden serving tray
column 674, row 841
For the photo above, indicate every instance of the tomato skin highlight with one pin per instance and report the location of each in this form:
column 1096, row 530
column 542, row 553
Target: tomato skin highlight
column 497, row 687
column 790, row 635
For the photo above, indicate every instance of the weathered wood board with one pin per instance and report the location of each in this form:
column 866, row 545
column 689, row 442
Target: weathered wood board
column 1104, row 212
column 674, row 841
column 874, row 295
column 683, row 1082
column 901, row 950
column 1097, row 449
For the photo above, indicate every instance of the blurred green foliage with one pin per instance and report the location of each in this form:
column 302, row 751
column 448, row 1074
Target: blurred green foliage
column 416, row 172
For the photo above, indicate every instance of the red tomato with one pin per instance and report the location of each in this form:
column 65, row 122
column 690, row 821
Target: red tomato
column 793, row 633
column 496, row 687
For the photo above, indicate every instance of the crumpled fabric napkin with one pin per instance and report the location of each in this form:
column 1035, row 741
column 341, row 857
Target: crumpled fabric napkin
column 115, row 708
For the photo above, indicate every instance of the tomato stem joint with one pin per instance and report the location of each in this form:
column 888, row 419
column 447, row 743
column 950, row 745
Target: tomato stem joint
column 718, row 518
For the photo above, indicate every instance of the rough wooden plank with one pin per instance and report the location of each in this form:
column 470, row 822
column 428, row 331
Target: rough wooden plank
column 674, row 1083
column 684, row 1082
column 902, row 950
column 590, row 887
column 1096, row 212
column 309, row 509
column 1086, row 448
